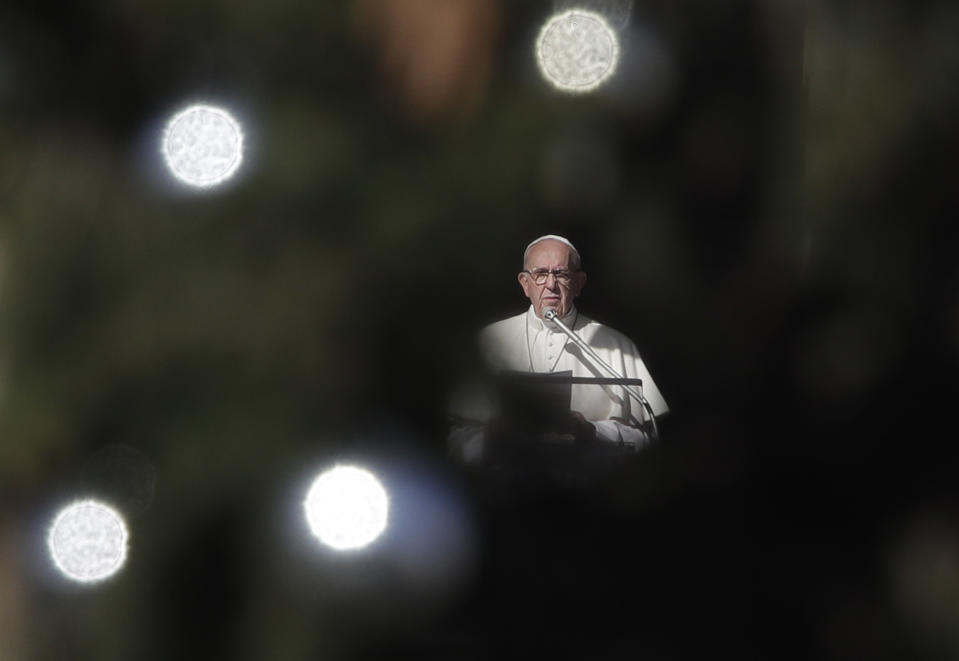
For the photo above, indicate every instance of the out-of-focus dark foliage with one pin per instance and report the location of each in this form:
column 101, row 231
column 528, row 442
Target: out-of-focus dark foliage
column 762, row 198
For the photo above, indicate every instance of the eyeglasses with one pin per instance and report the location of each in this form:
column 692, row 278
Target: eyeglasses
column 540, row 276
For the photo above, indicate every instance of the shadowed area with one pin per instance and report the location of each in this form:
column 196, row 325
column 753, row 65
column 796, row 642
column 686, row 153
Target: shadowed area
column 762, row 199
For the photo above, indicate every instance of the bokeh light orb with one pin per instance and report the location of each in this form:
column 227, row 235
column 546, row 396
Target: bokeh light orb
column 203, row 146
column 346, row 507
column 577, row 51
column 88, row 541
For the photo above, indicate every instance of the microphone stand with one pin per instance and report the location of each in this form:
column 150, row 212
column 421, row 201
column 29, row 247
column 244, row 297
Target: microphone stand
column 550, row 315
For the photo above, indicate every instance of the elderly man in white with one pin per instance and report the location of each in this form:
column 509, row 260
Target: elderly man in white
column 552, row 278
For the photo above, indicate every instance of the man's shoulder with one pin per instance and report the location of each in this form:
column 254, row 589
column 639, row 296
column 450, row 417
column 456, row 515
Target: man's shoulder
column 502, row 326
column 601, row 333
column 502, row 345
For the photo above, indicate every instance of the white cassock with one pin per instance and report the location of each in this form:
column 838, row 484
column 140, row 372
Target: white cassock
column 526, row 343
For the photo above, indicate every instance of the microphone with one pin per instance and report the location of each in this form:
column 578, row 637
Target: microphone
column 550, row 314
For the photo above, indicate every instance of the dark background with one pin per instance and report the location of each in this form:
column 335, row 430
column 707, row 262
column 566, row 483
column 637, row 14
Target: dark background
column 763, row 198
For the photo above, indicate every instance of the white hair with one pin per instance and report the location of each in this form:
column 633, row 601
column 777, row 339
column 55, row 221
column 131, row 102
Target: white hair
column 577, row 262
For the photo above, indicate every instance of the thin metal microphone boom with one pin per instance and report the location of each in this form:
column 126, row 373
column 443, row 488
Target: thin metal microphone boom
column 550, row 314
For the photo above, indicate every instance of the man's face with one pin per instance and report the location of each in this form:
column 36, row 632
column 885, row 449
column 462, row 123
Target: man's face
column 550, row 255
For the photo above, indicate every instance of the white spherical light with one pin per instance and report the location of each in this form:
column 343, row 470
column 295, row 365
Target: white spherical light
column 88, row 541
column 577, row 51
column 203, row 146
column 346, row 507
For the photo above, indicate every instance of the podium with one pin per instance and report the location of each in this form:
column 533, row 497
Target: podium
column 530, row 435
column 539, row 403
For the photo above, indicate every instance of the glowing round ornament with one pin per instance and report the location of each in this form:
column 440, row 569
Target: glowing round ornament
column 577, row 51
column 203, row 146
column 88, row 541
column 346, row 508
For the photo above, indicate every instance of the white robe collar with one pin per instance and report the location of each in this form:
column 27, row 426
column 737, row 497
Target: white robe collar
column 536, row 324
